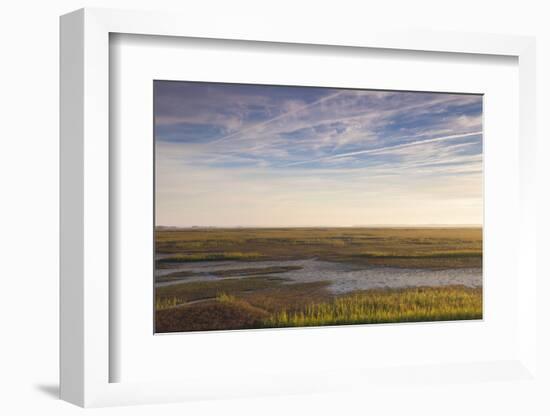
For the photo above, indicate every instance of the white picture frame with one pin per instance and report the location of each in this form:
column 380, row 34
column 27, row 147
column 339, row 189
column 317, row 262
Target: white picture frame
column 85, row 208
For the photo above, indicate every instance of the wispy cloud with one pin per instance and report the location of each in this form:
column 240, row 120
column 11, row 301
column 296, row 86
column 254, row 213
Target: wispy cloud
column 252, row 147
column 389, row 149
column 280, row 117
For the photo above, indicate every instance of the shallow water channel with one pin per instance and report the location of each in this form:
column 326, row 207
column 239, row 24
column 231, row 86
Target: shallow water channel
column 344, row 277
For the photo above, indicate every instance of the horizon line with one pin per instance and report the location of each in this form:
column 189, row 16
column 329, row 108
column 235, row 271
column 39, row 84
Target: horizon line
column 330, row 226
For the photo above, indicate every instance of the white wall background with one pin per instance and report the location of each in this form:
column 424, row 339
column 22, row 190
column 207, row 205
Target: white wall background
column 29, row 205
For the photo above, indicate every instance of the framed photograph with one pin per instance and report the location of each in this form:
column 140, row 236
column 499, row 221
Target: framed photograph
column 279, row 206
column 275, row 212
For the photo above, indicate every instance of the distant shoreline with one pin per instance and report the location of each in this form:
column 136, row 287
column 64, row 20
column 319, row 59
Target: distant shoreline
column 261, row 227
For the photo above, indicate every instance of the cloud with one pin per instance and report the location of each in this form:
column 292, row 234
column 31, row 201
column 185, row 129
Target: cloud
column 233, row 145
column 389, row 149
column 293, row 110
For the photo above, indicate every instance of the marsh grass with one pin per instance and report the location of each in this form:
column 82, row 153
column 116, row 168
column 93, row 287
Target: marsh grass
column 384, row 306
column 168, row 302
column 260, row 299
column 422, row 254
column 226, row 310
column 233, row 255
column 427, row 247
column 178, row 294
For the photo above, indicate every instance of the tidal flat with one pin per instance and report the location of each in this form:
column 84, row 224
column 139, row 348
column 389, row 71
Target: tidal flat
column 239, row 278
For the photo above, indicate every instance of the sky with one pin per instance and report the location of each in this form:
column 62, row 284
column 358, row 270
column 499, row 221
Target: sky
column 278, row 156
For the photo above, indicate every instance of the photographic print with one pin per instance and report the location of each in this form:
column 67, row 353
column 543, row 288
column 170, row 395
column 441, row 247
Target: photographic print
column 290, row 206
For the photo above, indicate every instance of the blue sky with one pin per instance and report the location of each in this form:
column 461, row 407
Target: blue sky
column 252, row 155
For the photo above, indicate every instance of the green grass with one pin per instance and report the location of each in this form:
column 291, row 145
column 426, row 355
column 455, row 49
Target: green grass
column 308, row 305
column 402, row 305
